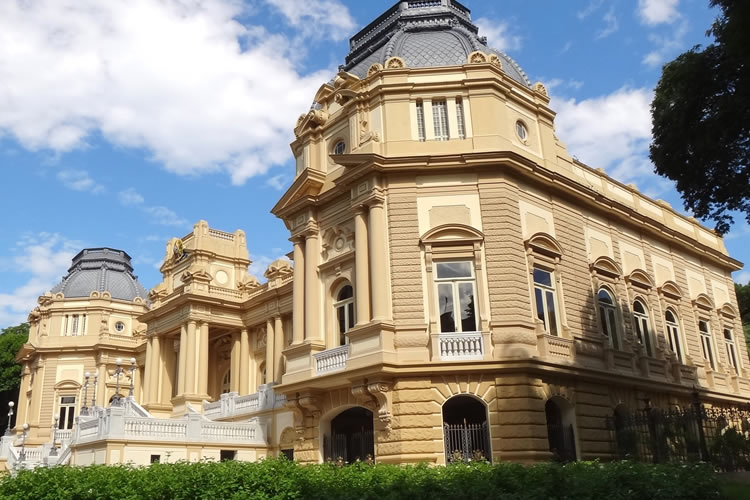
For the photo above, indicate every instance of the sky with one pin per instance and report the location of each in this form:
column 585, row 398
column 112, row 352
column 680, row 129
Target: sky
column 123, row 123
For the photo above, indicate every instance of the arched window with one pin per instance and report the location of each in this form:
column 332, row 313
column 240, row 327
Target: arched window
column 673, row 334
column 731, row 351
column 344, row 310
column 226, row 382
column 607, row 316
column 642, row 326
column 339, row 148
column 705, row 334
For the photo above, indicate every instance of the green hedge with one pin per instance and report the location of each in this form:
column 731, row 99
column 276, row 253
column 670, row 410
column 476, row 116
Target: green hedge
column 286, row 480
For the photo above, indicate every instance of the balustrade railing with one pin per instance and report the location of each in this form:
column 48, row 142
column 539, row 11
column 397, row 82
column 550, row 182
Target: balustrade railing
column 331, row 360
column 155, row 427
column 467, row 345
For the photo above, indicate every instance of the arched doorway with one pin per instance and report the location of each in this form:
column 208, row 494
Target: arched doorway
column 351, row 437
column 560, row 431
column 465, row 430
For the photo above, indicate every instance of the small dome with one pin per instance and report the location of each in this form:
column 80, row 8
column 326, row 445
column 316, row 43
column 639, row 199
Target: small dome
column 423, row 34
column 101, row 270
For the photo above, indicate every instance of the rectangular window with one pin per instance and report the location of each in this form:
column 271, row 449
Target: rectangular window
column 731, row 352
column 65, row 325
column 74, row 330
column 67, row 412
column 545, row 298
column 456, row 289
column 155, row 459
column 705, row 335
column 440, row 120
column 227, row 455
column 460, row 118
column 420, row 120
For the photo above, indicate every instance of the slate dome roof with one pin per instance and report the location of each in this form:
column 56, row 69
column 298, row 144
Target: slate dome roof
column 102, row 270
column 424, row 33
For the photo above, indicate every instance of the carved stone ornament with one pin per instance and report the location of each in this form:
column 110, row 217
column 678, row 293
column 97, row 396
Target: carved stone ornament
column 248, row 284
column 540, row 88
column 477, row 57
column 493, row 59
column 280, row 268
column 381, row 391
column 375, row 68
column 395, row 63
column 318, row 117
column 261, row 336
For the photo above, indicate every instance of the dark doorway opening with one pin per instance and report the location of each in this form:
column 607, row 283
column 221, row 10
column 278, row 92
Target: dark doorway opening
column 466, row 430
column 351, row 437
column 227, row 455
column 559, row 433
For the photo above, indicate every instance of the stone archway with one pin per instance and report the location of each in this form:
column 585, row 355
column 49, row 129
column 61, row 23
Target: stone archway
column 466, row 431
column 351, row 436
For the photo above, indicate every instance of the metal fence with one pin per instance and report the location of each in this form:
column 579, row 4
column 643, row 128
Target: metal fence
column 717, row 435
column 348, row 447
column 464, row 442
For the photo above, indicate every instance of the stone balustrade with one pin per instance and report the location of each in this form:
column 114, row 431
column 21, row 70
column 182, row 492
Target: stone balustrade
column 331, row 360
column 461, row 346
column 232, row 404
column 559, row 348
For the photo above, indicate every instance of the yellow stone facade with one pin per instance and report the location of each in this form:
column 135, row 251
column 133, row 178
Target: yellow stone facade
column 421, row 192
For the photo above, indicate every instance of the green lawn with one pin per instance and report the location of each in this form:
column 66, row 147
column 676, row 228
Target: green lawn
column 733, row 490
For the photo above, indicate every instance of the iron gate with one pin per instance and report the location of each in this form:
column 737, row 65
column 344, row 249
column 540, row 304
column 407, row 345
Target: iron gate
column 464, row 442
column 349, row 447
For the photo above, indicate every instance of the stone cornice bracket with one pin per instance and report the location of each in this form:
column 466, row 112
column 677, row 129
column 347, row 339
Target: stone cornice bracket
column 363, row 396
column 382, row 393
column 375, row 198
column 310, row 403
column 299, row 417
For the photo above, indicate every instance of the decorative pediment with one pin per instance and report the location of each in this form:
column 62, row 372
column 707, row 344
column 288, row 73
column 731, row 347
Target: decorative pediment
column 728, row 310
column 307, row 184
column 704, row 302
column 68, row 384
column 544, row 244
column 641, row 279
column 670, row 289
column 323, row 93
column 451, row 234
column 606, row 266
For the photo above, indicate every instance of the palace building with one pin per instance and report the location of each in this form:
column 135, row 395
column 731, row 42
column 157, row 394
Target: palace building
column 456, row 277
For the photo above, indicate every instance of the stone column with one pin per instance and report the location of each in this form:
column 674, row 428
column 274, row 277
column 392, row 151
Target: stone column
column 269, row 351
column 234, row 377
column 361, row 267
column 278, row 332
column 190, row 358
column 312, row 300
column 203, row 360
column 298, row 292
column 101, row 397
column 147, row 397
column 378, row 256
column 244, row 374
column 154, row 385
column 183, row 359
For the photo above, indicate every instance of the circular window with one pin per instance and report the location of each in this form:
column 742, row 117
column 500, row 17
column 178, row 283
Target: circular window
column 119, row 326
column 523, row 134
column 339, row 148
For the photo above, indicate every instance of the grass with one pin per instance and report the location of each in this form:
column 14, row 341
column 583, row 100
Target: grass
column 734, row 490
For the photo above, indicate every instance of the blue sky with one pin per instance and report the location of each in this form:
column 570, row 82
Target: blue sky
column 122, row 123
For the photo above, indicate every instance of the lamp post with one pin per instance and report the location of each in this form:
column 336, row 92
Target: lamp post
column 96, row 384
column 132, row 377
column 53, row 451
column 22, row 453
column 11, row 404
column 84, row 408
column 118, row 372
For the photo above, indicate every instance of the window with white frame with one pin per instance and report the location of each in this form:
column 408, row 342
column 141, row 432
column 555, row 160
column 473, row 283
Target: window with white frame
column 642, row 326
column 456, row 290
column 344, row 310
column 706, row 349
column 420, row 120
column 67, row 412
column 673, row 334
column 607, row 315
column 440, row 119
column 545, row 298
column 731, row 351
column 460, row 118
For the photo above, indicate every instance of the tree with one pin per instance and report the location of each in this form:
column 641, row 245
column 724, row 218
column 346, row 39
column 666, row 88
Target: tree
column 701, row 120
column 743, row 300
column 11, row 340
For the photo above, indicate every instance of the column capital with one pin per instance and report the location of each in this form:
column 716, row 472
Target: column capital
column 375, row 200
column 360, row 209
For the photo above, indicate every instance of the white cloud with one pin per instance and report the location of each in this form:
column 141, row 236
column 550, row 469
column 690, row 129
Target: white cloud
column 317, row 19
column 611, row 24
column 592, row 7
column 182, row 79
column 612, row 132
column 658, row 11
column 742, row 277
column 498, row 34
column 158, row 214
column 79, row 180
column 260, row 263
column 665, row 46
column 278, row 182
column 43, row 258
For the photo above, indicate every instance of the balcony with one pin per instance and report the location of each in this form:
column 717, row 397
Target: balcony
column 461, row 346
column 232, row 404
column 331, row 360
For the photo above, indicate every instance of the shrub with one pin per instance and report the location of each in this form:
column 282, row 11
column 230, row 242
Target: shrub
column 282, row 479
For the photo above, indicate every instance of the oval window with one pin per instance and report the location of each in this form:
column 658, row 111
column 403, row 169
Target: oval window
column 119, row 326
column 521, row 130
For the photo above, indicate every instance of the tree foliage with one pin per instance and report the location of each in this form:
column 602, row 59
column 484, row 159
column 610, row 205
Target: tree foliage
column 11, row 340
column 701, row 120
